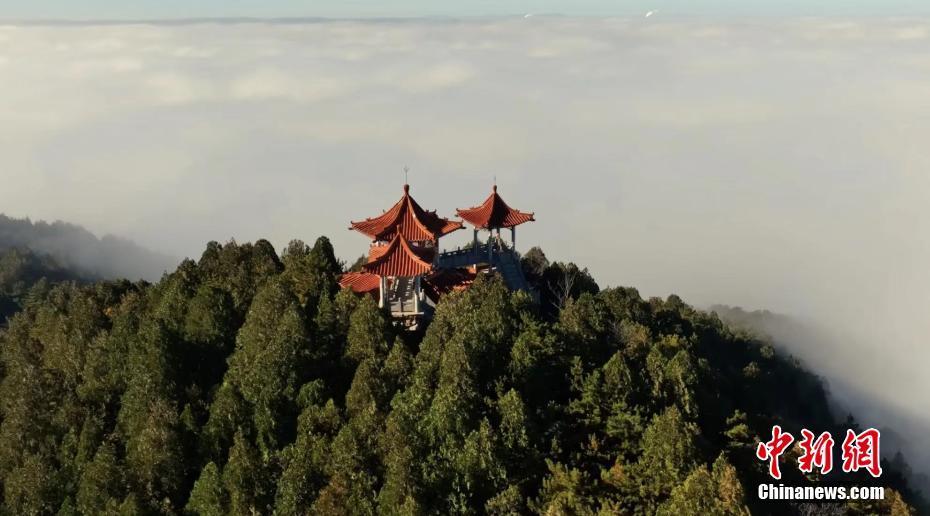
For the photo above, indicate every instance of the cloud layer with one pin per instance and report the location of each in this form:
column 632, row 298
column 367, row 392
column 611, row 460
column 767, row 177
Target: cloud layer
column 765, row 163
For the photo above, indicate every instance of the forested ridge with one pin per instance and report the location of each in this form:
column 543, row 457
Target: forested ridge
column 21, row 269
column 248, row 383
column 80, row 251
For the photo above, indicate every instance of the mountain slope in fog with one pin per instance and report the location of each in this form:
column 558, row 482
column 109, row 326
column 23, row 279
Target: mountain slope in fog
column 838, row 360
column 75, row 247
column 21, row 270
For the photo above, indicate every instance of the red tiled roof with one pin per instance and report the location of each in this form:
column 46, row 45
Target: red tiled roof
column 376, row 251
column 398, row 259
column 407, row 218
column 427, row 254
column 494, row 213
column 360, row 282
column 444, row 281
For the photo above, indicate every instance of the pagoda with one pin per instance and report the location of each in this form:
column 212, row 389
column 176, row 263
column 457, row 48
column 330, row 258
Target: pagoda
column 404, row 248
column 492, row 215
column 406, row 271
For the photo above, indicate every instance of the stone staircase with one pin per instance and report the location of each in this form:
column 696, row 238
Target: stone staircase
column 508, row 266
column 401, row 295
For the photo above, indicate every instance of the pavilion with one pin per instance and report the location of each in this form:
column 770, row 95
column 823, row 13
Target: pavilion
column 405, row 269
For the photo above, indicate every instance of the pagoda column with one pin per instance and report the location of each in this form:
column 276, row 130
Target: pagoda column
column 382, row 291
column 416, row 294
column 513, row 237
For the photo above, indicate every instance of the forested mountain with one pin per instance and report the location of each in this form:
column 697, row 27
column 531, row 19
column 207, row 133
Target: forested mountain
column 246, row 383
column 81, row 251
column 21, row 270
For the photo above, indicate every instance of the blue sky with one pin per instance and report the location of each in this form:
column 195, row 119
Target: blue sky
column 114, row 9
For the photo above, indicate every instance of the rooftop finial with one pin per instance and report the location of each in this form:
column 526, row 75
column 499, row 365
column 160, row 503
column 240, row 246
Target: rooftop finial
column 494, row 187
column 406, row 184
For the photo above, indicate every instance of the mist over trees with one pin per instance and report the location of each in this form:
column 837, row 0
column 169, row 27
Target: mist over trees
column 247, row 383
column 78, row 249
column 840, row 364
column 21, row 270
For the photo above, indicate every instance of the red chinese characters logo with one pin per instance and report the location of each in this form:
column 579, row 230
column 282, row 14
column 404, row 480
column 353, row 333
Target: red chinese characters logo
column 773, row 449
column 860, row 451
column 817, row 452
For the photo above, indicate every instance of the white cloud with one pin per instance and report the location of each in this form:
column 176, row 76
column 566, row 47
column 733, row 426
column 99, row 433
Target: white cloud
column 439, row 76
column 268, row 84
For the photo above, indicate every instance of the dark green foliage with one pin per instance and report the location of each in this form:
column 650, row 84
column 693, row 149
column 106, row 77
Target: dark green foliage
column 557, row 283
column 311, row 271
column 101, row 487
column 247, row 478
column 714, row 491
column 367, row 338
column 208, row 496
column 22, row 270
column 247, row 384
column 272, row 357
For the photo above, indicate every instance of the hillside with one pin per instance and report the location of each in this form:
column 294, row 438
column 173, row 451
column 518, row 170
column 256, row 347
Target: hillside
column 78, row 249
column 21, row 270
column 246, row 383
column 841, row 361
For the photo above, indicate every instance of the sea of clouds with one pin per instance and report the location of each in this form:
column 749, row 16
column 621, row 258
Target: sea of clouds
column 768, row 163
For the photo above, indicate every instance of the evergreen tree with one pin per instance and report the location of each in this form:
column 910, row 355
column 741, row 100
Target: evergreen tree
column 273, row 353
column 208, row 496
column 102, row 486
column 246, row 479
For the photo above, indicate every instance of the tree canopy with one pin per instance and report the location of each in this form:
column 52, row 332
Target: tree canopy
column 247, row 383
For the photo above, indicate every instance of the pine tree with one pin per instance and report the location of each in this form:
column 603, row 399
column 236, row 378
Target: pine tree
column 208, row 496
column 246, row 479
column 273, row 353
column 102, row 484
